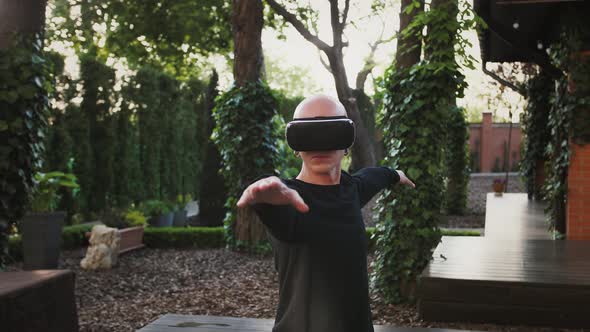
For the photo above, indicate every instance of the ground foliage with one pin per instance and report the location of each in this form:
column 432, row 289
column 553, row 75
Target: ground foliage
column 416, row 106
column 150, row 283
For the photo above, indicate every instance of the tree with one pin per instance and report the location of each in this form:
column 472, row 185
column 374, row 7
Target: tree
column 244, row 131
column 418, row 103
column 98, row 81
column 175, row 35
column 363, row 153
column 213, row 191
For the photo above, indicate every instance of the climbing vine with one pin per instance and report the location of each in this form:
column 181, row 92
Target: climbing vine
column 245, row 137
column 24, row 89
column 457, row 162
column 416, row 106
column 536, row 133
column 569, row 119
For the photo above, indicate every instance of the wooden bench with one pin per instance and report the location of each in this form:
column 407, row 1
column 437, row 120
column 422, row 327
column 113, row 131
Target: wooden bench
column 40, row 300
column 193, row 323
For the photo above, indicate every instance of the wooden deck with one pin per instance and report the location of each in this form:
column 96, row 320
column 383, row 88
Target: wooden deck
column 514, row 275
column 192, row 323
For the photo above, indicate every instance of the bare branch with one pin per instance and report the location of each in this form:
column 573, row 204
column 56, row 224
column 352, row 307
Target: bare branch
column 369, row 64
column 324, row 63
column 335, row 22
column 344, row 15
column 298, row 25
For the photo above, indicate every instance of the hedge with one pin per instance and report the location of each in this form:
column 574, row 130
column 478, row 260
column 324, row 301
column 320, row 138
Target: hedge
column 175, row 237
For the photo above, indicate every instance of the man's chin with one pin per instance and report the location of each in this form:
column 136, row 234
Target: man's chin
column 323, row 168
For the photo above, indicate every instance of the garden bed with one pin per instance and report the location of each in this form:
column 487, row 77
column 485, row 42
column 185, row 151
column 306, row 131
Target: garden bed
column 152, row 282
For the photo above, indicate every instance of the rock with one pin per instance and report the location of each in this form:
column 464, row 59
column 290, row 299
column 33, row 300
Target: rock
column 103, row 250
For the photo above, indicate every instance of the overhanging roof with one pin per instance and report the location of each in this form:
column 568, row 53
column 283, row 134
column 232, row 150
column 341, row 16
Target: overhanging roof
column 522, row 30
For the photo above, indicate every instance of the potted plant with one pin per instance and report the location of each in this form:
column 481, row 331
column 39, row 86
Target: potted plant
column 499, row 186
column 41, row 228
column 159, row 213
column 180, row 211
column 132, row 236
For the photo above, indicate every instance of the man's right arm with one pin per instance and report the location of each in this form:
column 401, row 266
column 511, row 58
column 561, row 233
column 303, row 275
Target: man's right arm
column 278, row 206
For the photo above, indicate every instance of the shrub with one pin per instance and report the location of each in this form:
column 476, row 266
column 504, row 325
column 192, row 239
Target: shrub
column 135, row 218
column 114, row 218
column 75, row 236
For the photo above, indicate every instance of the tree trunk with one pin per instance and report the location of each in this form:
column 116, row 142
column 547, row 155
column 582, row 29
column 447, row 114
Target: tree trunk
column 408, row 48
column 247, row 20
column 247, row 23
column 23, row 16
column 363, row 154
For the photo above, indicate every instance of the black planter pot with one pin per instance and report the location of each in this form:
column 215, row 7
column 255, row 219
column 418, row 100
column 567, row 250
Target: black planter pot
column 179, row 218
column 41, row 239
column 163, row 220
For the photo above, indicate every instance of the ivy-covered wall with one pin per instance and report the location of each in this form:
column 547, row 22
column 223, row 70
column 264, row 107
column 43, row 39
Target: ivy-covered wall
column 24, row 82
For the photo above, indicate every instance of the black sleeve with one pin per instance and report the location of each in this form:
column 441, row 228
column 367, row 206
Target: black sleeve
column 371, row 180
column 284, row 222
column 280, row 220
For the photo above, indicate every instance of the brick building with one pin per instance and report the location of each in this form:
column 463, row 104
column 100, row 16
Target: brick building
column 489, row 146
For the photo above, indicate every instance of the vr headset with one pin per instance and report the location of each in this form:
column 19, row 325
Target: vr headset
column 322, row 133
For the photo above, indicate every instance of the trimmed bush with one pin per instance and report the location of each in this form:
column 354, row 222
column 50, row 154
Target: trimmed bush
column 174, row 237
column 191, row 237
column 75, row 236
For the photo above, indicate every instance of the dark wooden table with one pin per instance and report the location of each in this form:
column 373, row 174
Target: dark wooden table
column 190, row 323
column 39, row 300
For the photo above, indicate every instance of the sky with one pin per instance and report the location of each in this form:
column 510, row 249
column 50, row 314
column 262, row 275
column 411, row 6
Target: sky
column 295, row 51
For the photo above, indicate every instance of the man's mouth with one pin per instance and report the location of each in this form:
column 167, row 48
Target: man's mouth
column 320, row 156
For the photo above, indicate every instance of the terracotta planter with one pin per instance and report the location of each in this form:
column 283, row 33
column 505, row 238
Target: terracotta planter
column 131, row 238
column 498, row 189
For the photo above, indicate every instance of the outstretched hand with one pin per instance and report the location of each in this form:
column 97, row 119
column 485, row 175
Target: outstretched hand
column 271, row 190
column 403, row 179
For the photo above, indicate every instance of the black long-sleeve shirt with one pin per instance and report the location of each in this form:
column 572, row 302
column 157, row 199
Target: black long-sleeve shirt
column 321, row 255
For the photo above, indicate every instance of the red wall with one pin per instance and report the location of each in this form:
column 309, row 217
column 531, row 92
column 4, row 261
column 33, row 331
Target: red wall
column 578, row 193
column 486, row 144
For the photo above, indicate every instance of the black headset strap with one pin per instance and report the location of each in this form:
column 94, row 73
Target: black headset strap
column 321, row 118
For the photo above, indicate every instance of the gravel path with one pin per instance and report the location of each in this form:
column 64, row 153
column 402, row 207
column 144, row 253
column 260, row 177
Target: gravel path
column 149, row 283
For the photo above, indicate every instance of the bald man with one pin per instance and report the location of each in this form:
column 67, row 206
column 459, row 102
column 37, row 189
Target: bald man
column 318, row 235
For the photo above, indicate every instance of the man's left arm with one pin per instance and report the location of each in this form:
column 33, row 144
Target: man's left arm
column 371, row 180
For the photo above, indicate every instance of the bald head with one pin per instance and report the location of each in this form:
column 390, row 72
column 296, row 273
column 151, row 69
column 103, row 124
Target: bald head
column 319, row 105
